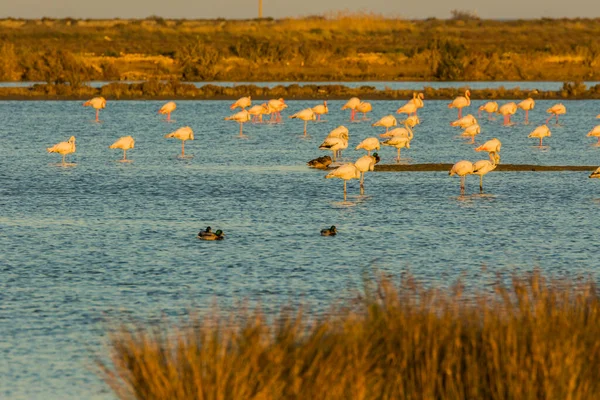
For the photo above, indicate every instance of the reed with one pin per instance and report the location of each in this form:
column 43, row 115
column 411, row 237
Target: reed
column 531, row 339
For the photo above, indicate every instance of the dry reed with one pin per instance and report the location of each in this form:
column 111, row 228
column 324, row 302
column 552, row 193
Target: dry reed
column 535, row 339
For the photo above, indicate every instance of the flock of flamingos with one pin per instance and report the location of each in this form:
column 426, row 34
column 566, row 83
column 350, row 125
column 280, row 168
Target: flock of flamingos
column 337, row 140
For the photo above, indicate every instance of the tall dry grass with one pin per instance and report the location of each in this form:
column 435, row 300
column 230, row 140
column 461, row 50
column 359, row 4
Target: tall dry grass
column 535, row 339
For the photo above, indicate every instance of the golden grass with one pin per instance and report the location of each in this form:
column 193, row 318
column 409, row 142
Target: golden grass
column 535, row 339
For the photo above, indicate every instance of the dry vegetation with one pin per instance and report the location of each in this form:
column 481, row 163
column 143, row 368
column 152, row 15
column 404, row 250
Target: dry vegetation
column 535, row 339
column 333, row 47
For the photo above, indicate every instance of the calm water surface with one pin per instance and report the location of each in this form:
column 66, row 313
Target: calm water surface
column 84, row 245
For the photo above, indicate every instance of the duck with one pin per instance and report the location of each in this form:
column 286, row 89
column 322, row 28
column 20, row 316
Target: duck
column 329, row 231
column 320, row 162
column 208, row 234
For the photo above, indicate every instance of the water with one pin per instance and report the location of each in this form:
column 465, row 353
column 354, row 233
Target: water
column 379, row 85
column 84, row 245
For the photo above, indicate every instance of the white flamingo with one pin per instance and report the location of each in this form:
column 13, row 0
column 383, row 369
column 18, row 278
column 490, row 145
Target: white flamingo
column 63, row 148
column 409, row 108
column 305, row 115
column 98, row 103
column 481, row 168
column 241, row 118
column 411, row 121
column 399, row 142
column 339, row 132
column 540, row 132
column 462, row 169
column 369, row 144
column 461, row 102
column 490, row 107
column 418, row 100
column 471, row 132
column 351, row 105
column 125, row 143
column 555, row 111
column 334, row 145
column 258, row 111
column 183, row 134
column 242, row 103
column 595, row 133
column 168, row 108
column 387, row 122
column 364, row 108
column 527, row 105
column 492, row 147
column 321, row 109
column 346, row 172
column 365, row 164
column 507, row 110
column 464, row 122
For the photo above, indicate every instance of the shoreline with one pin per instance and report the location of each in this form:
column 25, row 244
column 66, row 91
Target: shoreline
column 174, row 90
column 437, row 167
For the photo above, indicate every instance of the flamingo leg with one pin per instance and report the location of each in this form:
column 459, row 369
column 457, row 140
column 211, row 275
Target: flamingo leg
column 305, row 122
column 351, row 115
column 362, row 183
column 599, row 140
column 387, row 129
column 124, row 155
column 459, row 113
column 334, row 152
column 63, row 160
column 462, row 184
column 97, row 115
column 319, row 117
column 549, row 118
column 344, row 190
column 479, row 114
column 182, row 148
column 472, row 139
column 241, row 130
column 556, row 119
column 526, row 116
column 480, row 183
column 540, row 142
column 369, row 151
column 169, row 117
column 398, row 159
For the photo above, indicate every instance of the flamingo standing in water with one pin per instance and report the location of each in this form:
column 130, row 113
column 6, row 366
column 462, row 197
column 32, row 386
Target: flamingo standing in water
column 481, row 168
column 257, row 112
column 276, row 106
column 339, row 132
column 345, row 172
column 183, row 134
column 364, row 164
column 406, row 132
column 364, row 108
column 460, row 102
column 321, row 109
column 596, row 173
column 507, row 110
column 351, row 105
column 334, row 144
column 462, row 169
column 464, row 122
column 555, row 111
column 410, row 107
column 411, row 121
column 63, row 148
column 240, row 117
column 595, row 133
column 526, row 105
column 540, row 132
column 387, row 122
column 492, row 147
column 305, row 115
column 471, row 132
column 369, row 144
column 97, row 103
column 399, row 142
column 418, row 100
column 125, row 143
column 490, row 107
column 168, row 109
column 242, row 103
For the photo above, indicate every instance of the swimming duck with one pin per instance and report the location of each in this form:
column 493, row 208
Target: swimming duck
column 320, row 163
column 208, row 234
column 329, row 232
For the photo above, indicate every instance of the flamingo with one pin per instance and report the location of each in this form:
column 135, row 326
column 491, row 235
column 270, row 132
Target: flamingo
column 364, row 164
column 339, row 132
column 526, row 105
column 351, row 105
column 321, row 109
column 492, row 147
column 168, row 109
column 595, row 133
column 276, row 106
column 369, row 144
column 364, row 108
column 471, row 131
column 460, row 102
column 462, row 169
column 398, row 142
column 490, row 107
column 556, row 110
column 507, row 110
column 334, row 145
column 481, row 168
column 242, row 103
column 345, row 172
column 257, row 112
column 409, row 108
column 540, row 132
column 97, row 103
column 596, row 173
column 125, row 143
column 598, row 116
column 406, row 132
column 464, row 122
column 387, row 122
column 183, row 134
column 305, row 115
column 418, row 100
column 240, row 117
column 411, row 121
column 63, row 148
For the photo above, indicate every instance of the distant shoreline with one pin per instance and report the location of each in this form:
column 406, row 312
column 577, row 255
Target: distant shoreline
column 174, row 90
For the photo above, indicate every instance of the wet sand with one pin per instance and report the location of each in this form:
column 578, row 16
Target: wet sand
column 500, row 167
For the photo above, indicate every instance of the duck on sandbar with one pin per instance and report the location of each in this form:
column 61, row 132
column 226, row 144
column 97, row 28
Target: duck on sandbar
column 320, row 162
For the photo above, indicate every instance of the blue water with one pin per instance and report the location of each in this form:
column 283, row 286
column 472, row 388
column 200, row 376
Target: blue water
column 379, row 85
column 84, row 246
